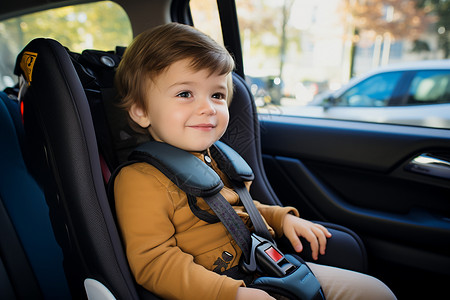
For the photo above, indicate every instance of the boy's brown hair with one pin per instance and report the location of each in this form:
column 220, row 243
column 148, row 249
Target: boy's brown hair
column 154, row 50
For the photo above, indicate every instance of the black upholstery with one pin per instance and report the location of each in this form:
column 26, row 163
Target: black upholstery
column 31, row 260
column 64, row 143
column 60, row 132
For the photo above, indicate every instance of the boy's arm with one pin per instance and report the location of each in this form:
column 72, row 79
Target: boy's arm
column 144, row 211
column 274, row 215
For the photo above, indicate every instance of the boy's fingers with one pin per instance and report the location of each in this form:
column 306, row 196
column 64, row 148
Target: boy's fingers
column 316, row 235
column 324, row 229
column 295, row 240
column 312, row 239
column 315, row 249
column 322, row 239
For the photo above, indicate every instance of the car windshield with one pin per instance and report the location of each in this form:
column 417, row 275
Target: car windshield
column 101, row 25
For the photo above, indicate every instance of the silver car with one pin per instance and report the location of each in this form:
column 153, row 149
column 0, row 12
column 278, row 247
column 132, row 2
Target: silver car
column 413, row 93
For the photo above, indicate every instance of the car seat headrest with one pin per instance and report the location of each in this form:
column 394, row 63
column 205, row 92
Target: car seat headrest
column 96, row 70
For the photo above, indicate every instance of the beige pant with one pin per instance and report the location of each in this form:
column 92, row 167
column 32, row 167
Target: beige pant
column 347, row 285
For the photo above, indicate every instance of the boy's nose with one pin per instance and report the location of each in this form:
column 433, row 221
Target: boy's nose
column 206, row 106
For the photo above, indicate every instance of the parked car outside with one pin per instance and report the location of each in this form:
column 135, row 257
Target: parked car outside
column 413, row 93
column 266, row 90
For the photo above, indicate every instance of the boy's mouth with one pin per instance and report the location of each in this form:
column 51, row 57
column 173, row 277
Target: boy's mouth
column 205, row 126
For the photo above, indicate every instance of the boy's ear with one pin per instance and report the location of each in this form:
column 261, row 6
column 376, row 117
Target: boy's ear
column 139, row 115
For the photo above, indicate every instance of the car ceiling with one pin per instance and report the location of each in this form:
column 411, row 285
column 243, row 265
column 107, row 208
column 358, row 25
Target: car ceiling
column 143, row 13
column 10, row 9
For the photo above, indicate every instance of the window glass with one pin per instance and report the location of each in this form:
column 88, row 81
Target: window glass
column 430, row 87
column 299, row 54
column 205, row 16
column 100, row 25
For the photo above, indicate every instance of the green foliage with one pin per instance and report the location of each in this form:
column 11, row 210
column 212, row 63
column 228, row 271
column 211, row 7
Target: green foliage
column 102, row 25
column 441, row 10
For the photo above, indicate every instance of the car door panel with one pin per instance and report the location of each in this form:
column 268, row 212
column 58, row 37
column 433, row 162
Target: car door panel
column 355, row 174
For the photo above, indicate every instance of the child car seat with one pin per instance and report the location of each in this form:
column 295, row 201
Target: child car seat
column 60, row 135
column 58, row 122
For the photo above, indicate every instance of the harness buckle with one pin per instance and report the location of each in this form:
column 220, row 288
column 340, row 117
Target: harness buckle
column 266, row 258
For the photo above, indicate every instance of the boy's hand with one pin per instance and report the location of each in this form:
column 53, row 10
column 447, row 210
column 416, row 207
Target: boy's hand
column 250, row 294
column 315, row 234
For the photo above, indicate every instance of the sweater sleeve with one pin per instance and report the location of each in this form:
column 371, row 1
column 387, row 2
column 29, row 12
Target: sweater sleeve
column 144, row 210
column 274, row 215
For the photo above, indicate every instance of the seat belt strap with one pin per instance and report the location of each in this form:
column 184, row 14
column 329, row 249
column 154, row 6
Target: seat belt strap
column 196, row 179
column 200, row 213
column 232, row 222
column 253, row 212
column 228, row 161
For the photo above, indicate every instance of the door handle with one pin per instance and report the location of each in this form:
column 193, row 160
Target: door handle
column 431, row 165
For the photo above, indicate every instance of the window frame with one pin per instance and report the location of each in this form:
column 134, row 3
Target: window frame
column 181, row 13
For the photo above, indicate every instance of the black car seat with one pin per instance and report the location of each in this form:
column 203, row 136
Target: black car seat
column 68, row 164
column 65, row 161
column 30, row 259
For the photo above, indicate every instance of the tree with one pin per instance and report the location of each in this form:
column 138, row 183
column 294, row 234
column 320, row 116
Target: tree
column 441, row 10
column 261, row 32
column 283, row 43
column 384, row 21
column 267, row 34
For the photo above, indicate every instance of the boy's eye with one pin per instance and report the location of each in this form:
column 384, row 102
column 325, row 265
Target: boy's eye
column 184, row 94
column 219, row 96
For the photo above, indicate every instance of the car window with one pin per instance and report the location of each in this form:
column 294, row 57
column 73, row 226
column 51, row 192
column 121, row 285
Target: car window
column 205, row 16
column 430, row 87
column 297, row 53
column 100, row 25
column 374, row 91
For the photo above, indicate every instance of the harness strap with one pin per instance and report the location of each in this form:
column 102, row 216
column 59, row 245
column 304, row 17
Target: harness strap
column 232, row 222
column 196, row 179
column 200, row 213
column 223, row 153
column 259, row 251
column 223, row 210
column 254, row 214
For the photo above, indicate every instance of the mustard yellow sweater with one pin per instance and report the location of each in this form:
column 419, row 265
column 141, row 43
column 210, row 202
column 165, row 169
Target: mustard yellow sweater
column 171, row 252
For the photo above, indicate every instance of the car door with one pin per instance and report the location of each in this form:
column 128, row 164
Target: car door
column 388, row 183
column 374, row 179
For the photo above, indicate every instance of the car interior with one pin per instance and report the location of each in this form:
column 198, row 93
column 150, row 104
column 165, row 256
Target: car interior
column 65, row 137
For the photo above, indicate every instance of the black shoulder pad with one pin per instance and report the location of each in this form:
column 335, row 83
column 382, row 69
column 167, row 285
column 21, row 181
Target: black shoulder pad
column 231, row 163
column 188, row 172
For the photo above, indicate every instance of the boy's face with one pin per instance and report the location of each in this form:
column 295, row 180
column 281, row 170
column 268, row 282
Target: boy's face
column 186, row 108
